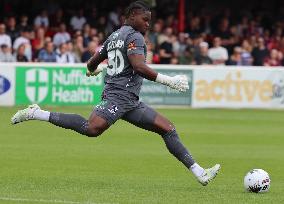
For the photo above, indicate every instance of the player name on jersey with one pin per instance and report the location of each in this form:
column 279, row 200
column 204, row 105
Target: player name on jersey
column 115, row 44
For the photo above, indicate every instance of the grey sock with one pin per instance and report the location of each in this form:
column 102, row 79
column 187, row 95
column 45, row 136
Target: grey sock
column 176, row 148
column 70, row 121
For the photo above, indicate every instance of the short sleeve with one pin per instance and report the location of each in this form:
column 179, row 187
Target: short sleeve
column 135, row 44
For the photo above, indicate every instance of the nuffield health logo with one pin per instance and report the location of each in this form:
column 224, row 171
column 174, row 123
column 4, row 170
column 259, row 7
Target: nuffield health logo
column 36, row 85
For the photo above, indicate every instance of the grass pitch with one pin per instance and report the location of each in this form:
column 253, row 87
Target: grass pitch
column 41, row 163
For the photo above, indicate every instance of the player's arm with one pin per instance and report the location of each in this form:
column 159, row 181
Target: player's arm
column 93, row 68
column 138, row 63
column 178, row 82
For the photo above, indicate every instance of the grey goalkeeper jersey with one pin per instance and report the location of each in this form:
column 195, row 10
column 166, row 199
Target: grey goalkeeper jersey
column 121, row 79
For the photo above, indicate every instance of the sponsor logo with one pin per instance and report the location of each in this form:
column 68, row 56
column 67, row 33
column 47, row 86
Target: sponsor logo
column 233, row 88
column 36, row 85
column 277, row 88
column 4, row 84
column 56, row 86
column 113, row 109
column 131, row 46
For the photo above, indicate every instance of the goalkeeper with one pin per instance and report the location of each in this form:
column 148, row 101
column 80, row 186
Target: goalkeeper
column 125, row 50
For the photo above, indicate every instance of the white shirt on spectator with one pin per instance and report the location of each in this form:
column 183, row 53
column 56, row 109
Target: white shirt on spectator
column 7, row 57
column 218, row 53
column 65, row 58
column 41, row 21
column 5, row 39
column 60, row 38
column 77, row 22
column 28, row 48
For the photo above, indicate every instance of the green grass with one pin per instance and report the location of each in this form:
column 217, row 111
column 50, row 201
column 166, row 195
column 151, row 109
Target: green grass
column 128, row 165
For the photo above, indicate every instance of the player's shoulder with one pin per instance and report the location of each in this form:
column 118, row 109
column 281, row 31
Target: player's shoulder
column 130, row 32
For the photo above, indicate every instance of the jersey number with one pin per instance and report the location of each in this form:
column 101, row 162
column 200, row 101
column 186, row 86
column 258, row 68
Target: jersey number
column 115, row 62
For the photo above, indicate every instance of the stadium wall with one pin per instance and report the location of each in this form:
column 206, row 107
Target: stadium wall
column 210, row 87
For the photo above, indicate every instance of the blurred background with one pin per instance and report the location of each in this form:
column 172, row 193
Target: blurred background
column 182, row 32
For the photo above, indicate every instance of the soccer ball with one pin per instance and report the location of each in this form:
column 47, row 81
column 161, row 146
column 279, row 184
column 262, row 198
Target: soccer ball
column 257, row 181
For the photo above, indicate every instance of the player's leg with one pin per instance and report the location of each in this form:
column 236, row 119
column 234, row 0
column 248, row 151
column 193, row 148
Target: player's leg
column 148, row 119
column 92, row 127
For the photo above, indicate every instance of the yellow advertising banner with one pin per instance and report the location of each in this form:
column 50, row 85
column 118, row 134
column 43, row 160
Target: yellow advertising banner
column 238, row 88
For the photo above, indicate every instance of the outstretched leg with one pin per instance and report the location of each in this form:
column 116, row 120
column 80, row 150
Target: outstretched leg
column 148, row 119
column 92, row 127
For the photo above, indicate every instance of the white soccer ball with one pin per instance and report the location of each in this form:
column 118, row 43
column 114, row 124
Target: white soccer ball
column 257, row 181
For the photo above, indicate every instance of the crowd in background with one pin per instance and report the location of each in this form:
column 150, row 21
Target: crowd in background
column 210, row 37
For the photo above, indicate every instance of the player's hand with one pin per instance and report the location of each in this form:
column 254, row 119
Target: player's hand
column 179, row 82
column 89, row 73
column 94, row 73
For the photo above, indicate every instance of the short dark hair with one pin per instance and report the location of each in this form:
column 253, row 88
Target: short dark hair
column 136, row 5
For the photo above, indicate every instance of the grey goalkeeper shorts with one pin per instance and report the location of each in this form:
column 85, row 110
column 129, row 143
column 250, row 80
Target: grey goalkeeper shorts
column 114, row 107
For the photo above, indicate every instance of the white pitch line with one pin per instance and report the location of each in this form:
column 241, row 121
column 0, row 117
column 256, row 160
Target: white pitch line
column 45, row 201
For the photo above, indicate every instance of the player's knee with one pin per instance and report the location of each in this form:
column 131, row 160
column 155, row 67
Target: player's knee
column 94, row 131
column 169, row 127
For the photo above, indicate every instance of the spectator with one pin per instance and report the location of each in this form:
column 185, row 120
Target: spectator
column 194, row 29
column 24, row 39
column 153, row 35
column 167, row 33
column 87, row 34
column 89, row 52
column 47, row 54
column 172, row 21
column 38, row 41
column 4, row 38
column 6, row 54
column 182, row 38
column 113, row 20
column 217, row 53
column 101, row 37
column 281, row 45
column 246, row 53
column 42, row 20
column 101, row 25
column 78, row 20
column 224, row 32
column 242, row 27
column 78, row 47
column 23, row 23
column 190, row 52
column 202, row 58
column 62, row 36
column 274, row 59
column 93, row 17
column 62, row 55
column 166, row 51
column 20, row 55
column 73, row 58
column 56, row 19
column 259, row 53
column 176, row 45
column 93, row 32
column 166, row 47
column 236, row 57
column 174, row 60
column 150, row 53
column 12, row 30
column 195, row 47
column 98, row 42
